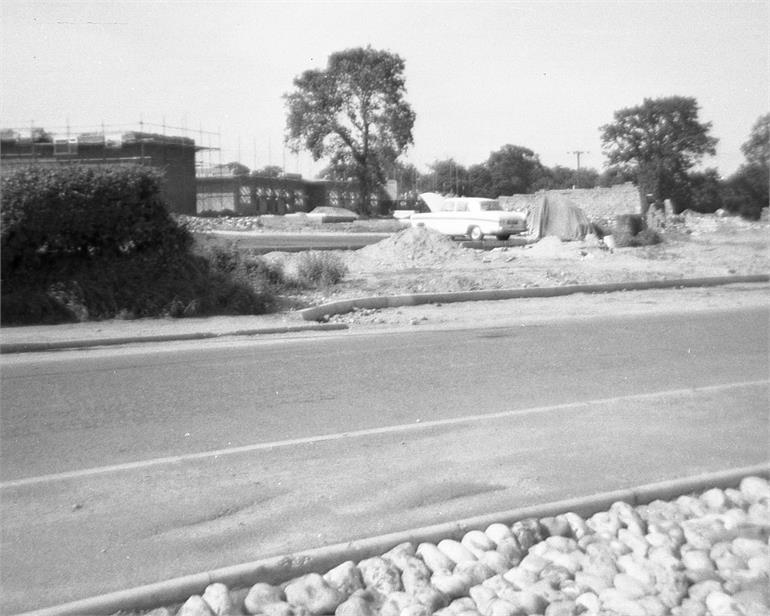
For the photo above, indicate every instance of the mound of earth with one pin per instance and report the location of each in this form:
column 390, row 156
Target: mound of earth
column 414, row 246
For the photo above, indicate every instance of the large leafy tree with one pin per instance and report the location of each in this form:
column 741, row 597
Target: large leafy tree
column 747, row 191
column 659, row 141
column 513, row 169
column 447, row 177
column 353, row 113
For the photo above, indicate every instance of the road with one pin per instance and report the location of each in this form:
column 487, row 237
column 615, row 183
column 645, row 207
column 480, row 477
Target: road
column 296, row 242
column 130, row 467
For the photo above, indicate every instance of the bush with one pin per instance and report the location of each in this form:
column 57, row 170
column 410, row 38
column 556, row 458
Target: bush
column 81, row 244
column 85, row 212
column 645, row 237
column 319, row 268
column 254, row 271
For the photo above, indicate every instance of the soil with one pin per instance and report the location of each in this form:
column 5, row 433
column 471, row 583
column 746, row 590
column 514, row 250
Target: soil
column 417, row 260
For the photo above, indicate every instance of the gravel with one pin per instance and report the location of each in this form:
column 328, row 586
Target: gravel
column 697, row 555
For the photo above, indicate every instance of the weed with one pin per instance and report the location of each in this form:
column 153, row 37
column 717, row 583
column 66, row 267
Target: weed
column 317, row 268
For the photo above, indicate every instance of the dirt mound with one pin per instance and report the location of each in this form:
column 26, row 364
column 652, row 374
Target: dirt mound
column 552, row 247
column 415, row 246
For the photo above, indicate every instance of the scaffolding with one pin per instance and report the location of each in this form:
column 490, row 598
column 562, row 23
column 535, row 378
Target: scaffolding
column 36, row 142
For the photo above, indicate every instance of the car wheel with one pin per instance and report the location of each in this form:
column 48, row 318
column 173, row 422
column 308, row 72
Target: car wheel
column 502, row 237
column 476, row 234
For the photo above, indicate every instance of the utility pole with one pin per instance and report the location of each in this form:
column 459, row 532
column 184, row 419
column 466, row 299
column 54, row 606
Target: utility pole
column 577, row 153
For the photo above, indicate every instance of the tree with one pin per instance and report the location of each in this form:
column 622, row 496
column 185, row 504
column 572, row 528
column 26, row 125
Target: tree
column 659, row 140
column 706, row 188
column 268, row 171
column 480, row 181
column 354, row 113
column 513, row 169
column 747, row 191
column 757, row 148
column 447, row 177
column 559, row 177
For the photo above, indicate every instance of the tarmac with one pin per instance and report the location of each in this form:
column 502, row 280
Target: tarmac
column 44, row 338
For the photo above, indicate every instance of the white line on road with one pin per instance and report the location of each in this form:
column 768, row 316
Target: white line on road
column 570, row 406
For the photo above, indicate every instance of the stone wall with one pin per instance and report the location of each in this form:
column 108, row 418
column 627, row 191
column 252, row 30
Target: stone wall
column 597, row 203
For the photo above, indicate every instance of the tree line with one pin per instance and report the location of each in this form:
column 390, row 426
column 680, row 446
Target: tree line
column 354, row 114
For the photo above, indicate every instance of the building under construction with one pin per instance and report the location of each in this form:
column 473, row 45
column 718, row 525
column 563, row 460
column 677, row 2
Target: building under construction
column 173, row 156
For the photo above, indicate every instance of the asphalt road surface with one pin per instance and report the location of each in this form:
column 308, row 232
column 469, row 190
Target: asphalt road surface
column 288, row 242
column 125, row 468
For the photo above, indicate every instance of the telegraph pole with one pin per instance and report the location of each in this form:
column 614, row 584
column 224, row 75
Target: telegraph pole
column 577, row 153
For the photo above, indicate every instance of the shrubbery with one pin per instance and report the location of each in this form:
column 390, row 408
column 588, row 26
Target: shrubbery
column 318, row 268
column 645, row 237
column 84, row 243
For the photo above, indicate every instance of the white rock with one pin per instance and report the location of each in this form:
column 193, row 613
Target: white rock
column 477, row 571
column 534, row 563
column 577, row 525
column 714, row 499
column 430, row 597
column 521, row 578
column 746, row 548
column 455, row 551
column 313, row 592
column 690, row 607
column 560, row 543
column 501, row 607
column 380, row 575
column 359, row 603
column 589, row 601
column 453, row 585
column 697, row 559
column 415, row 574
column 636, row 542
column 629, row 517
column 511, row 550
column 398, row 554
column 283, row 609
column 261, row 594
column 755, row 489
column 345, row 577
column 477, row 543
column 589, row 582
column 218, row 598
column 434, row 558
column 616, row 602
column 565, row 607
column 760, row 563
column 195, row 606
column 527, row 532
column 498, row 532
column 629, row 586
column 496, row 561
column 735, row 498
column 482, row 597
column 525, row 601
column 722, row 604
column 653, row 606
column 396, row 602
column 700, row 590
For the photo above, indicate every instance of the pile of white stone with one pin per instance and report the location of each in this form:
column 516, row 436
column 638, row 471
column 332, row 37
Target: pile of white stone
column 704, row 555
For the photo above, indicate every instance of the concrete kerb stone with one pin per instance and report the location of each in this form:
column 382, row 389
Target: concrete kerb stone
column 32, row 347
column 319, row 313
column 280, row 569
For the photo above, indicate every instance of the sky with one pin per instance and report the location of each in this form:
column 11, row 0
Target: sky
column 479, row 75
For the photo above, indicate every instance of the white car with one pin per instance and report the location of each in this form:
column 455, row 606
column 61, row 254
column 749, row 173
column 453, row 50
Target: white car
column 474, row 217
